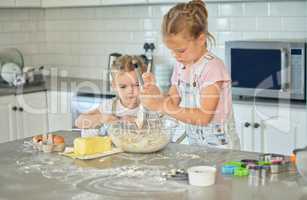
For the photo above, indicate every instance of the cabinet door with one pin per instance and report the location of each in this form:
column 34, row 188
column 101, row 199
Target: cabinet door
column 243, row 118
column 7, row 119
column 299, row 115
column 279, row 131
column 32, row 110
column 59, row 110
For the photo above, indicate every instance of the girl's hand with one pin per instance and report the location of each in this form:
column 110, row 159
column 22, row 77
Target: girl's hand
column 108, row 118
column 151, row 97
column 88, row 121
column 94, row 120
column 149, row 79
column 128, row 119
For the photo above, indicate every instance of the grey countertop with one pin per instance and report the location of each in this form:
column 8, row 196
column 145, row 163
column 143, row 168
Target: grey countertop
column 28, row 174
column 80, row 86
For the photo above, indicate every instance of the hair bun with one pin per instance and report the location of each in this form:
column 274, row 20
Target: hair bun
column 198, row 2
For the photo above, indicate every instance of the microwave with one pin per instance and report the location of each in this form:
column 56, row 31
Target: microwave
column 267, row 69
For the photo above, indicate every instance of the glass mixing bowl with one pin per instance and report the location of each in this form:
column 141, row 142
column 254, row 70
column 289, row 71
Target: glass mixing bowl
column 154, row 136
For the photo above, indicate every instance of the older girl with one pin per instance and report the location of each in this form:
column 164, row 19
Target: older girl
column 200, row 95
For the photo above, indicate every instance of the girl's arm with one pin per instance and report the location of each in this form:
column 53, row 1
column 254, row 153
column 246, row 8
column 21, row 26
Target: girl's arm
column 174, row 95
column 93, row 119
column 196, row 116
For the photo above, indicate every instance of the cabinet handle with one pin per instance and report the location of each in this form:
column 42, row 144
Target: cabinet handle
column 256, row 125
column 247, row 124
column 14, row 108
column 20, row 109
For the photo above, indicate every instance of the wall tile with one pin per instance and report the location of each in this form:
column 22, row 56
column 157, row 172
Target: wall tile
column 108, row 12
column 269, row 24
column 20, row 38
column 36, row 14
column 256, row 9
column 20, row 14
column 287, row 8
column 213, row 9
column 226, row 36
column 5, row 38
column 147, row 36
column 141, row 12
column 294, row 23
column 6, row 14
column 243, row 24
column 11, row 27
column 78, row 13
column 79, row 40
column 222, row 24
column 287, row 35
column 230, row 9
column 53, row 14
column 158, row 11
column 63, row 37
column 255, row 35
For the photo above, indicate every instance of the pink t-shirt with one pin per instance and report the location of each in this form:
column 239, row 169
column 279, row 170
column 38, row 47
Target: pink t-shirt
column 209, row 70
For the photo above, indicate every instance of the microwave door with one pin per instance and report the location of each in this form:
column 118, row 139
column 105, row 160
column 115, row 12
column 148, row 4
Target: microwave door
column 259, row 72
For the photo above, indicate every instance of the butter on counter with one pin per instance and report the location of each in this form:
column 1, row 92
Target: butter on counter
column 92, row 145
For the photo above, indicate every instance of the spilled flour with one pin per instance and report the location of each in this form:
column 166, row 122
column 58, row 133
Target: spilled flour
column 139, row 181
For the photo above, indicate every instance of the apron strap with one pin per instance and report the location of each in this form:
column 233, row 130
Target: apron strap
column 114, row 101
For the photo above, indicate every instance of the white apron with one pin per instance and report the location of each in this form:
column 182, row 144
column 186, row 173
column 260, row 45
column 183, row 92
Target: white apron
column 222, row 135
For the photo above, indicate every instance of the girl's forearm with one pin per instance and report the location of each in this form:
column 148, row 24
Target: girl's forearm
column 193, row 116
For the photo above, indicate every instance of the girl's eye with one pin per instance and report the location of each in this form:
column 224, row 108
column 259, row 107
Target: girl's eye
column 122, row 86
column 181, row 50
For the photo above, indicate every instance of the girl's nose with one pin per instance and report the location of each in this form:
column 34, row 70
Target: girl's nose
column 130, row 89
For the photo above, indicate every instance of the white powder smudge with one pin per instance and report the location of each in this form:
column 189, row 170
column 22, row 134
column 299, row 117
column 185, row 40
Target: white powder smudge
column 145, row 180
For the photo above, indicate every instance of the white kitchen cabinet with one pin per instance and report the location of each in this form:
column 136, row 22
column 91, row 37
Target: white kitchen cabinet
column 69, row 3
column 28, row 3
column 23, row 116
column 6, row 118
column 248, row 129
column 32, row 115
column 59, row 110
column 270, row 128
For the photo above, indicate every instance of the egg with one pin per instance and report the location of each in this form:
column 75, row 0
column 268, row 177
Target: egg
column 37, row 138
column 57, row 139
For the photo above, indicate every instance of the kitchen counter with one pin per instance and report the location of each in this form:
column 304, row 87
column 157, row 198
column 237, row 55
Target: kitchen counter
column 80, row 86
column 36, row 175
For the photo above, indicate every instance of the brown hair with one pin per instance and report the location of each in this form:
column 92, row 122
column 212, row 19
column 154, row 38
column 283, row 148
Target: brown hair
column 126, row 63
column 191, row 17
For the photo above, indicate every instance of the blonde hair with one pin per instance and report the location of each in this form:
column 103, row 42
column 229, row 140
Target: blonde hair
column 191, row 17
column 126, row 63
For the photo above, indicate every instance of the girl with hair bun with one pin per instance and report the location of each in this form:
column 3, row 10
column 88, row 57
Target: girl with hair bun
column 200, row 94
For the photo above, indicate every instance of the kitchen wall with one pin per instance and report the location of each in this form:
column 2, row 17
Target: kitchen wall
column 77, row 41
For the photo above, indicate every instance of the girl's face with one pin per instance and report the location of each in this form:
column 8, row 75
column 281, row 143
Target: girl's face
column 187, row 50
column 127, row 87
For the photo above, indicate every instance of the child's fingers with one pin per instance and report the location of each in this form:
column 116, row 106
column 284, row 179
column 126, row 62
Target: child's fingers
column 148, row 78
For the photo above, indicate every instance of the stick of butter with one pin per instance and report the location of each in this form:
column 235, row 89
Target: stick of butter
column 92, row 145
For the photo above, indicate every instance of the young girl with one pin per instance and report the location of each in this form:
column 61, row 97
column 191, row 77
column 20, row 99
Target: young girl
column 200, row 95
column 126, row 105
